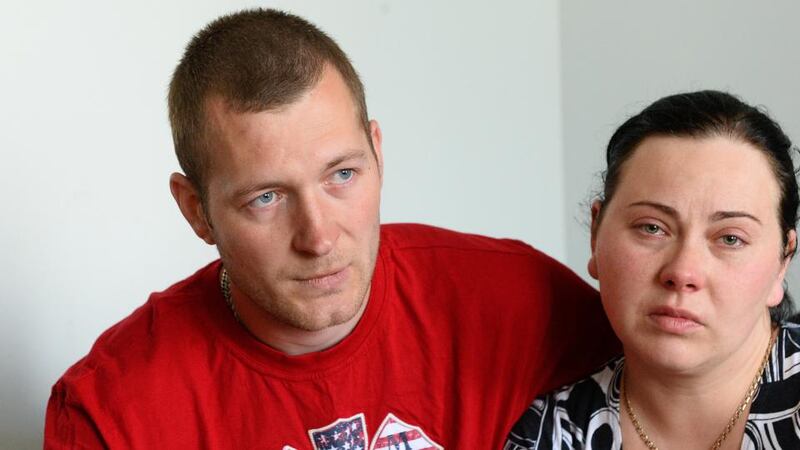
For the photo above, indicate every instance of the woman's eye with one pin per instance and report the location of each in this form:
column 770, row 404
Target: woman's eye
column 731, row 240
column 343, row 176
column 265, row 199
column 651, row 228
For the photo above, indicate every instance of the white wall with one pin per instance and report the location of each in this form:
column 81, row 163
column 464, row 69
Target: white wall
column 468, row 96
column 619, row 56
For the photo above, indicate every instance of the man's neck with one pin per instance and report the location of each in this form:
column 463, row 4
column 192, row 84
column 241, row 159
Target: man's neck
column 286, row 338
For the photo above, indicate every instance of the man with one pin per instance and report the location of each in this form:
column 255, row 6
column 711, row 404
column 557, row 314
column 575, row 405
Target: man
column 319, row 328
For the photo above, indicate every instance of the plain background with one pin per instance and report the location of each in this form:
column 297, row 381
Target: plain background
column 495, row 117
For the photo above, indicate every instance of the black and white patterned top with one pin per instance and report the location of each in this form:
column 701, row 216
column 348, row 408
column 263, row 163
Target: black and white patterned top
column 585, row 415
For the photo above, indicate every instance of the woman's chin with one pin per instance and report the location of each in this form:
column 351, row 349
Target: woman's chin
column 669, row 354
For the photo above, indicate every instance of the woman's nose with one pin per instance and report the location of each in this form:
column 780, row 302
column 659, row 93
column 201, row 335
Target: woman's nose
column 684, row 271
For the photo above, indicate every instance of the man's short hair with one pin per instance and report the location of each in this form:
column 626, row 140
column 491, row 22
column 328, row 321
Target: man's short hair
column 255, row 60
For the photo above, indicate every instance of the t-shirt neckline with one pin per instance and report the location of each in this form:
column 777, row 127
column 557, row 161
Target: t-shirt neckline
column 270, row 361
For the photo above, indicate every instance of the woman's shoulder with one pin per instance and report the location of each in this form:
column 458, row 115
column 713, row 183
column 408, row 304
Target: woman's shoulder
column 791, row 327
column 785, row 362
column 780, row 382
column 568, row 417
column 773, row 416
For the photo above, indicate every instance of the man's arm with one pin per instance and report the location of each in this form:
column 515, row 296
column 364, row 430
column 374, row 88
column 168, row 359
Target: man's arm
column 67, row 424
column 579, row 335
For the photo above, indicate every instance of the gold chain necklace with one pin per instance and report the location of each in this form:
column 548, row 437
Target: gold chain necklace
column 728, row 428
column 225, row 286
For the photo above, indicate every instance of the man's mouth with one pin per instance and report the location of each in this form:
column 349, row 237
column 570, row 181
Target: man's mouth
column 328, row 279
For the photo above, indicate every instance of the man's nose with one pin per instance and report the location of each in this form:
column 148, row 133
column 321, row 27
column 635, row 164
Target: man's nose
column 684, row 270
column 315, row 232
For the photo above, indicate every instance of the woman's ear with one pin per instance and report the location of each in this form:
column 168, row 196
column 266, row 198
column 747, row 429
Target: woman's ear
column 791, row 246
column 778, row 292
column 592, row 264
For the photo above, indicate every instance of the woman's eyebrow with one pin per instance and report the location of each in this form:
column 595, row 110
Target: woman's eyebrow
column 660, row 206
column 715, row 217
column 720, row 215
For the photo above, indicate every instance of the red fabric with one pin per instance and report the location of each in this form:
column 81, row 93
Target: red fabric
column 459, row 334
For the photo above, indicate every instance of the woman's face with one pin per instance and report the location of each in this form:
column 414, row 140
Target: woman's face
column 689, row 251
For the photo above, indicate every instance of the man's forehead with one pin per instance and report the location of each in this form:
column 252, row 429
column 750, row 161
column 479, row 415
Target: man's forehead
column 321, row 121
column 226, row 125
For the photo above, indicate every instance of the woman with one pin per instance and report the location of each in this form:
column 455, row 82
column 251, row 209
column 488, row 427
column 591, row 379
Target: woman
column 691, row 240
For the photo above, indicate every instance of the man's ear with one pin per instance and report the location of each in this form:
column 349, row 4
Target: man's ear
column 592, row 264
column 191, row 206
column 376, row 136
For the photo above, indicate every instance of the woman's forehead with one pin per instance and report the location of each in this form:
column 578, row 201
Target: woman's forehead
column 716, row 171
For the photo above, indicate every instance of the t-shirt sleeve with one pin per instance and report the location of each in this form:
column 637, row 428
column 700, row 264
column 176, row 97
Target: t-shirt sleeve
column 67, row 424
column 578, row 337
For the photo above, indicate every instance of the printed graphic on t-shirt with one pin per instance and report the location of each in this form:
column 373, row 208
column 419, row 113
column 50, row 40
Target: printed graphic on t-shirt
column 394, row 434
column 345, row 434
column 351, row 434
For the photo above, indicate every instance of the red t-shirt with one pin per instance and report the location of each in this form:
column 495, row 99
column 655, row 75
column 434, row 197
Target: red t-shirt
column 459, row 334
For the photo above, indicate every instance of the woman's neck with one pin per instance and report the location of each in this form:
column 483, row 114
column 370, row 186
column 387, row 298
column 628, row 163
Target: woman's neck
column 691, row 409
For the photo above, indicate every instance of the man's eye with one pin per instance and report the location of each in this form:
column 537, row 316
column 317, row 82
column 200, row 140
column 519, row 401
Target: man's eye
column 265, row 199
column 343, row 176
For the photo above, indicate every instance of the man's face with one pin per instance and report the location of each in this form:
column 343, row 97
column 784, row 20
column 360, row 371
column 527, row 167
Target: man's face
column 293, row 202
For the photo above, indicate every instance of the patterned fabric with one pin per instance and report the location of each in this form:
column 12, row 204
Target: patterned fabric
column 586, row 415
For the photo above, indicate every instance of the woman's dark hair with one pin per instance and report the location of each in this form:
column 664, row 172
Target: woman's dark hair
column 707, row 114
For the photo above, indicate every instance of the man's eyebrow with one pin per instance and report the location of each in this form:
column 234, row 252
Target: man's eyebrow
column 720, row 215
column 659, row 206
column 352, row 155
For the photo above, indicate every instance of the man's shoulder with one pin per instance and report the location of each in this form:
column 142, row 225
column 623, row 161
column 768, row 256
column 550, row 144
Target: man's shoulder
column 148, row 367
column 402, row 236
column 141, row 339
column 475, row 261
